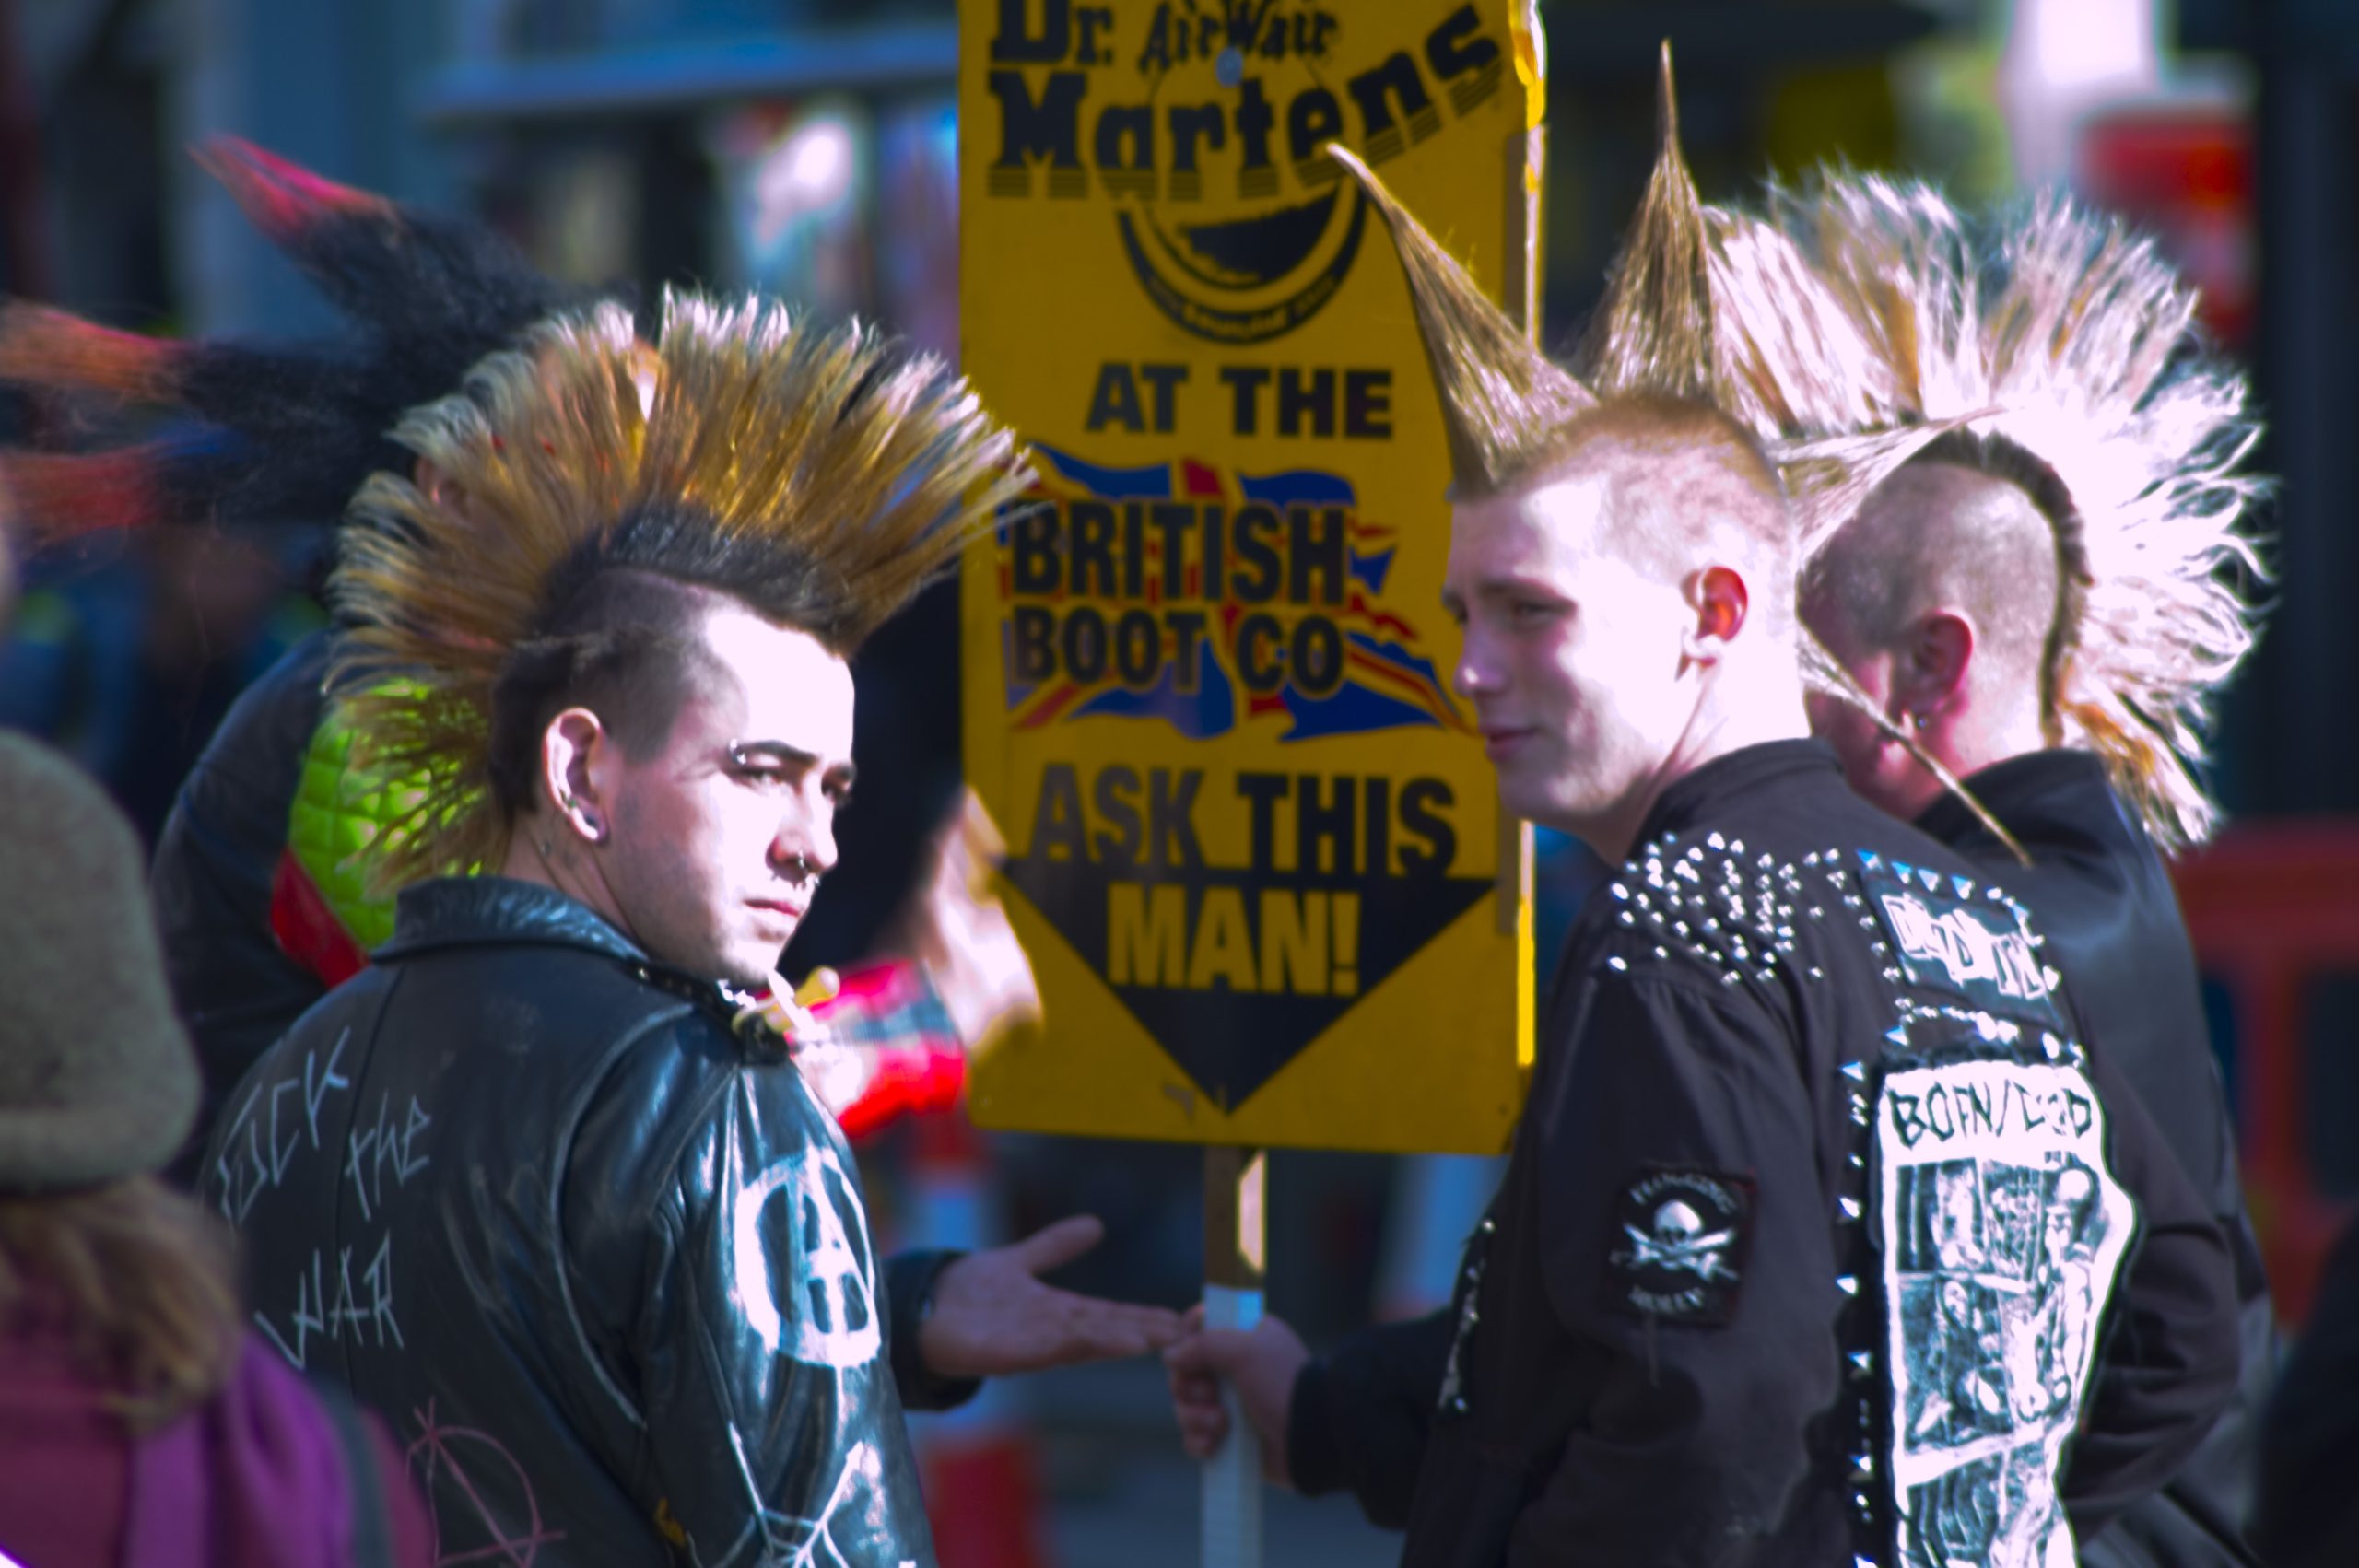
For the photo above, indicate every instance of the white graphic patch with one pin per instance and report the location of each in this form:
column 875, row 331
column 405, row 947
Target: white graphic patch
column 1680, row 1252
column 1969, row 951
column 790, row 1232
column 2004, row 1230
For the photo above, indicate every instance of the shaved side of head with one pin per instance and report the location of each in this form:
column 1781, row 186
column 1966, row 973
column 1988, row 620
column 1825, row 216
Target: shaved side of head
column 1683, row 481
column 1948, row 533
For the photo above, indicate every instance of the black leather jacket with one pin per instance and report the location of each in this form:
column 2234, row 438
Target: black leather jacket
column 2098, row 891
column 1794, row 1262
column 598, row 1255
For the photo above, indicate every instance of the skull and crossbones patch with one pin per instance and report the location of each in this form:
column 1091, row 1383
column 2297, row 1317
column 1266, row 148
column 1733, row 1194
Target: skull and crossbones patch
column 1677, row 1250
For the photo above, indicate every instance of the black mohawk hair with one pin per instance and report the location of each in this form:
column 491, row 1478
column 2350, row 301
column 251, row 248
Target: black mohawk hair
column 269, row 434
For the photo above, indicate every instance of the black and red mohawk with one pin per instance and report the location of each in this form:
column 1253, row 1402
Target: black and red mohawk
column 269, row 434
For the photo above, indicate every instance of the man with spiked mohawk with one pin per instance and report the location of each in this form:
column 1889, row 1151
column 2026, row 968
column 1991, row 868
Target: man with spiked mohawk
column 262, row 877
column 1817, row 1206
column 544, row 1183
column 2042, row 602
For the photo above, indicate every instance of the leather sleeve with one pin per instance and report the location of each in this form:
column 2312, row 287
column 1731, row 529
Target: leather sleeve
column 1701, row 1424
column 2168, row 1363
column 1358, row 1417
column 909, row 1278
column 774, row 1423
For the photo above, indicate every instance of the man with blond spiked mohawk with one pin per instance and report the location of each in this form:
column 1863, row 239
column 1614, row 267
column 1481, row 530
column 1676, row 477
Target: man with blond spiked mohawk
column 544, row 1183
column 2045, row 603
column 1807, row 1245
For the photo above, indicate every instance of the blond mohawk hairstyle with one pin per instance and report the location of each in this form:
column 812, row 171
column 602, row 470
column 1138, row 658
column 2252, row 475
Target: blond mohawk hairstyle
column 2079, row 336
column 1502, row 400
column 1675, row 325
column 1652, row 335
column 812, row 475
column 1702, row 306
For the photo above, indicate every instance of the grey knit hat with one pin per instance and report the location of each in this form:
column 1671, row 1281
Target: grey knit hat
column 98, row 1078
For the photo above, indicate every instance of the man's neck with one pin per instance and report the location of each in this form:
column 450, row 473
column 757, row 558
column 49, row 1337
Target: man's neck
column 1977, row 740
column 535, row 854
column 1737, row 709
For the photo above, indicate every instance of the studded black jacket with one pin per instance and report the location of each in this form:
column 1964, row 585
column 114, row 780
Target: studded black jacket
column 1818, row 1224
column 2099, row 893
column 592, row 1251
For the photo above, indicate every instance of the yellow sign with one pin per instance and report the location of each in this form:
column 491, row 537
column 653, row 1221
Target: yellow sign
column 1255, row 848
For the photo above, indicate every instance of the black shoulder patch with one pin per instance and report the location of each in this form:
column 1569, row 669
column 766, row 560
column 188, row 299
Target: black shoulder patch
column 1680, row 1249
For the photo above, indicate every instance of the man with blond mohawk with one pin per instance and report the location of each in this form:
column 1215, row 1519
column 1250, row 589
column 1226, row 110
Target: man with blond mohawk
column 1817, row 1205
column 2045, row 602
column 544, row 1183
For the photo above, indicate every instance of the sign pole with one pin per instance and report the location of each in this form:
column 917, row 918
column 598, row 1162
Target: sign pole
column 1235, row 1179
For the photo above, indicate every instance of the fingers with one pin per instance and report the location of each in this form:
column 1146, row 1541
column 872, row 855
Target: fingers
column 1196, row 1405
column 1111, row 1330
column 1203, row 1428
column 1212, row 1352
column 1052, row 1246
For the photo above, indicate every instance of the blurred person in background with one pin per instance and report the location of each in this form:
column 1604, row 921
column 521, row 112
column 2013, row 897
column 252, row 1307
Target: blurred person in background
column 2037, row 614
column 142, row 1423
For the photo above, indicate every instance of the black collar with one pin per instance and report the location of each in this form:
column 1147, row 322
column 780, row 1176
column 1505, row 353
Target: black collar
column 479, row 911
column 1703, row 794
column 2031, row 794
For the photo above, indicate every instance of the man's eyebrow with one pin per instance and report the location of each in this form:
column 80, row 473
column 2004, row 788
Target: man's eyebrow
column 781, row 752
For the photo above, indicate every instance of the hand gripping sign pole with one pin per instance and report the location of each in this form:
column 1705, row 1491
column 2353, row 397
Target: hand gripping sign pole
column 1234, row 1235
column 1255, row 850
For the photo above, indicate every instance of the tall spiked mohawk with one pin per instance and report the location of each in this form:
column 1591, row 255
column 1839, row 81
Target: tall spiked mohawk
column 1702, row 306
column 271, row 435
column 742, row 451
column 2080, row 334
column 1679, row 320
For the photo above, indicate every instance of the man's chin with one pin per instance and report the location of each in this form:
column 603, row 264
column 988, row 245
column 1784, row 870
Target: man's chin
column 751, row 970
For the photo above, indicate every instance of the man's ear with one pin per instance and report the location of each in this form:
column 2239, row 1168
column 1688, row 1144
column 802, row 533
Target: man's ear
column 578, row 762
column 1721, row 600
column 1929, row 669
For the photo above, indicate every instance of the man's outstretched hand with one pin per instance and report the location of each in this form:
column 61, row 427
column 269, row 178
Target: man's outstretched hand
column 991, row 1314
column 1262, row 1363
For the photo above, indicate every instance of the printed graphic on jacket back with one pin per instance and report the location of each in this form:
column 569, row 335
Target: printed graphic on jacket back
column 2002, row 1229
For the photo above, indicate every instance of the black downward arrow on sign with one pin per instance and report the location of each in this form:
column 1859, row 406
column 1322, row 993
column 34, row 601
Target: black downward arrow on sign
column 1231, row 1038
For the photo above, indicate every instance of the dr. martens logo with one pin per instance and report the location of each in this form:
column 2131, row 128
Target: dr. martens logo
column 1207, row 128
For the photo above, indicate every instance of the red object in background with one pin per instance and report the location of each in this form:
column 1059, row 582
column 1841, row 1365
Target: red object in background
column 306, row 929
column 2185, row 171
column 2272, row 906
